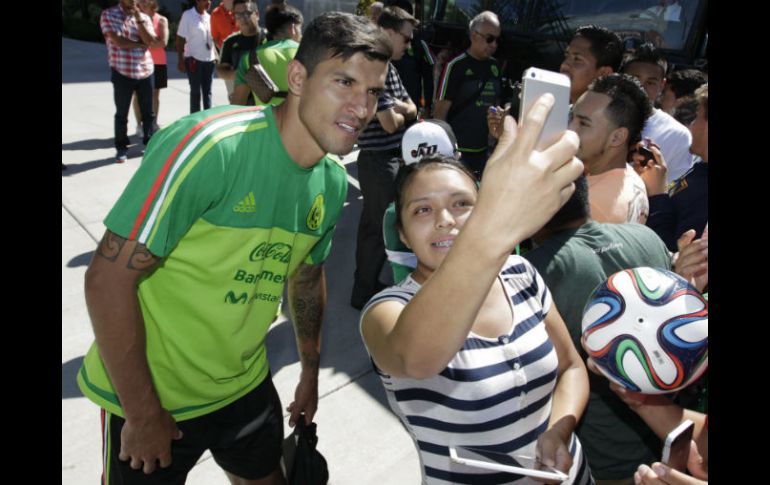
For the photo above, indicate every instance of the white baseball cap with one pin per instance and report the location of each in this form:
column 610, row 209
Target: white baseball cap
column 428, row 137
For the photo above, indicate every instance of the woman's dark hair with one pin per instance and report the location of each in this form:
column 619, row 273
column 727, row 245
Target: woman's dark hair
column 407, row 172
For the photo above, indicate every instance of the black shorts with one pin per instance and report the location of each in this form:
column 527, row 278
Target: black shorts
column 161, row 76
column 244, row 438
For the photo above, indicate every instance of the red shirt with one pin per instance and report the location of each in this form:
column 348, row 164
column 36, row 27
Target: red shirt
column 222, row 25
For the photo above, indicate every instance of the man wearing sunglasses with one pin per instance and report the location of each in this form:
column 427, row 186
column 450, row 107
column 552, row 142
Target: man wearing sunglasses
column 240, row 43
column 469, row 85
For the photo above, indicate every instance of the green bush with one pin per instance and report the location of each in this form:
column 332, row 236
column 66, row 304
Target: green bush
column 82, row 29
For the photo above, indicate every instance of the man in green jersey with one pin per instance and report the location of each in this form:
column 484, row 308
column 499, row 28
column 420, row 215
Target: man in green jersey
column 284, row 28
column 239, row 43
column 228, row 205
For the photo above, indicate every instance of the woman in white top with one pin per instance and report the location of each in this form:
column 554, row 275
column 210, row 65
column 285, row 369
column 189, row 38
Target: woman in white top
column 470, row 348
column 196, row 55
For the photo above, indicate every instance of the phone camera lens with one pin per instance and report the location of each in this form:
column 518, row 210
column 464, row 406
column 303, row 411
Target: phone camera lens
column 532, row 75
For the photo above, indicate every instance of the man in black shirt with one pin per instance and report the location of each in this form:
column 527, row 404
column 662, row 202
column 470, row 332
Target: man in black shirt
column 239, row 43
column 469, row 85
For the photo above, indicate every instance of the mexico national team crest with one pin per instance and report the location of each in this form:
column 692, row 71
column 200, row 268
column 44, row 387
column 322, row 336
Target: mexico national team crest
column 316, row 215
column 494, row 70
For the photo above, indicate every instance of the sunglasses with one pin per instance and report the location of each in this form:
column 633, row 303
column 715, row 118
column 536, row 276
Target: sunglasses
column 407, row 39
column 245, row 14
column 488, row 37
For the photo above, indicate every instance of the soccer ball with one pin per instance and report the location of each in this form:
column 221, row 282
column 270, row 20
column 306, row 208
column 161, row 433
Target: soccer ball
column 647, row 330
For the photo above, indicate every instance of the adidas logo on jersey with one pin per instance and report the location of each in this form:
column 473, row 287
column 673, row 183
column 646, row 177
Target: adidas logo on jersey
column 468, row 72
column 247, row 204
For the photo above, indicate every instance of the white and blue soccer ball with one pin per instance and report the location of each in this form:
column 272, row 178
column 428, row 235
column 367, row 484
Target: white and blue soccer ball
column 647, row 330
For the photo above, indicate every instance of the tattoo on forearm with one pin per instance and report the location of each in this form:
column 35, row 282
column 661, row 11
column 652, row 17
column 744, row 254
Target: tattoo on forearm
column 308, row 314
column 141, row 258
column 311, row 361
column 110, row 246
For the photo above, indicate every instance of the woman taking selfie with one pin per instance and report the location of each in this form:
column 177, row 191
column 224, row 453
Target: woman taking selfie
column 470, row 348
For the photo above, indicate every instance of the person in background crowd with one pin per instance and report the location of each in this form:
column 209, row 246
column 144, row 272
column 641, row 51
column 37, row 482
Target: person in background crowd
column 223, row 22
column 609, row 119
column 593, row 52
column 672, row 138
column 285, row 29
column 683, row 206
column 469, row 85
column 240, row 43
column 375, row 9
column 196, row 55
column 416, row 67
column 680, row 86
column 128, row 33
column 574, row 254
column 380, row 145
column 158, row 52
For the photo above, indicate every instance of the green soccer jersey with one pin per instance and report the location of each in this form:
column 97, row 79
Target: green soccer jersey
column 232, row 216
column 274, row 57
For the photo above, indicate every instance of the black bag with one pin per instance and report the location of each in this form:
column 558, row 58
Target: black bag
column 304, row 463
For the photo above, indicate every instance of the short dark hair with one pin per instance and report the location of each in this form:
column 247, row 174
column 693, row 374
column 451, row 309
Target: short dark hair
column 278, row 18
column 333, row 34
column 702, row 95
column 630, row 107
column 394, row 18
column 606, row 45
column 407, row 172
column 687, row 110
column 251, row 3
column 404, row 4
column 685, row 82
column 577, row 207
column 648, row 54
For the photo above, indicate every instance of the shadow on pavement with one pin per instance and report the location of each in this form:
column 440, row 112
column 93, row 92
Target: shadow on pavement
column 73, row 168
column 80, row 260
column 134, row 152
column 69, row 372
column 88, row 144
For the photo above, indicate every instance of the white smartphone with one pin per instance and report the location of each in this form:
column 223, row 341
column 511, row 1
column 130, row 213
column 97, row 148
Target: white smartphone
column 676, row 448
column 537, row 82
column 490, row 460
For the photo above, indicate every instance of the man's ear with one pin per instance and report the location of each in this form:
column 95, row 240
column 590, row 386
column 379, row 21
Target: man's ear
column 605, row 71
column 296, row 75
column 618, row 137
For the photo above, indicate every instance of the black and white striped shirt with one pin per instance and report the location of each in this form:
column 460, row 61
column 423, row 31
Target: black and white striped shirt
column 495, row 394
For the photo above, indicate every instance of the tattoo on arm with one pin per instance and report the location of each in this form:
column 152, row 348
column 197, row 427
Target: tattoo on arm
column 141, row 259
column 308, row 300
column 308, row 314
column 110, row 246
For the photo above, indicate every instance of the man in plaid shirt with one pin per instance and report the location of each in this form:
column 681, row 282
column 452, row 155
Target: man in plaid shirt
column 129, row 32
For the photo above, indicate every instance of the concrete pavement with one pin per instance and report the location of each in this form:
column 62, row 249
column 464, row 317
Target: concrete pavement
column 362, row 440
